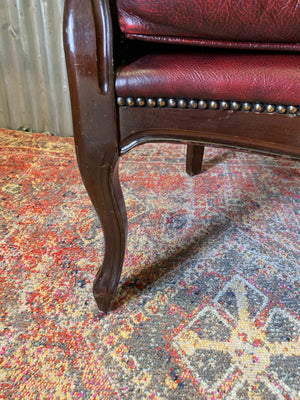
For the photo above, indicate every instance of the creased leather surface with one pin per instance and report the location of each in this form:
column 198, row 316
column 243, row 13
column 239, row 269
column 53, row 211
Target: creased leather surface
column 217, row 43
column 263, row 22
column 240, row 76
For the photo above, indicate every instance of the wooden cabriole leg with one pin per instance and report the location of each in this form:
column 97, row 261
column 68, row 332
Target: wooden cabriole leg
column 102, row 183
column 194, row 159
column 107, row 198
column 88, row 49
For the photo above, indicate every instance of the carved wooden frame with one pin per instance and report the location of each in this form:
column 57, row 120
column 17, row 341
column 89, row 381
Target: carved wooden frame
column 103, row 131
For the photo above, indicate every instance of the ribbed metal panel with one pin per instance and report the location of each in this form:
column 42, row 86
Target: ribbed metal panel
column 34, row 91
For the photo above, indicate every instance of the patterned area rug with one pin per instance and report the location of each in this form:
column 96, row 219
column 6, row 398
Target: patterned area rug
column 208, row 305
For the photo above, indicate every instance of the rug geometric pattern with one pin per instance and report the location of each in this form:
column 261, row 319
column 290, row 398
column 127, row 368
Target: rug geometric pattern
column 208, row 305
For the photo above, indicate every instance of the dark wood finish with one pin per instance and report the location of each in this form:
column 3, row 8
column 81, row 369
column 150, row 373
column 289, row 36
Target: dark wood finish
column 268, row 133
column 102, row 132
column 88, row 48
column 194, row 159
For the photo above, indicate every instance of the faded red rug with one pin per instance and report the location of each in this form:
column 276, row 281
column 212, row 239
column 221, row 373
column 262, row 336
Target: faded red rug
column 208, row 305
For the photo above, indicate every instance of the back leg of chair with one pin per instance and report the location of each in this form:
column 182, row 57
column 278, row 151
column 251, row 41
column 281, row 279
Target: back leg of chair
column 194, row 159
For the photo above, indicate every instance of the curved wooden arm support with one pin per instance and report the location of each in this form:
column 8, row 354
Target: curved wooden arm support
column 88, row 49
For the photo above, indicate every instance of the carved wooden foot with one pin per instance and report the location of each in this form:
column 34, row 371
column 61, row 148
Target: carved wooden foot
column 103, row 186
column 194, row 158
column 109, row 204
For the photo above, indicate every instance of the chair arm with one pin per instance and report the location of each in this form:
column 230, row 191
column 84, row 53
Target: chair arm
column 89, row 57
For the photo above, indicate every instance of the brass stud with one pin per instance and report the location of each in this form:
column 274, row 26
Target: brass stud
column 235, row 106
column 130, row 101
column 182, row 103
column 224, row 105
column 172, row 103
column 292, row 109
column 193, row 103
column 161, row 102
column 213, row 105
column 202, row 104
column 270, row 108
column 121, row 102
column 246, row 107
column 151, row 102
column 140, row 101
column 280, row 109
column 258, row 107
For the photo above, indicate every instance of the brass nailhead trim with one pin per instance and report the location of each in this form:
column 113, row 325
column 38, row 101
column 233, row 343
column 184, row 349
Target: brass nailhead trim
column 161, row 102
column 235, row 106
column 202, row 104
column 172, row 103
column 140, row 101
column 292, row 110
column 213, row 105
column 224, row 105
column 208, row 104
column 182, row 103
column 193, row 103
column 130, row 101
column 270, row 108
column 246, row 106
column 151, row 103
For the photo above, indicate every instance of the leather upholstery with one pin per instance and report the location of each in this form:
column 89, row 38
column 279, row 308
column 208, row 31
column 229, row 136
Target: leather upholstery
column 214, row 75
column 232, row 23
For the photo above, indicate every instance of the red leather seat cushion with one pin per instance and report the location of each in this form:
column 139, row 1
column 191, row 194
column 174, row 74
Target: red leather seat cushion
column 216, row 75
column 232, row 23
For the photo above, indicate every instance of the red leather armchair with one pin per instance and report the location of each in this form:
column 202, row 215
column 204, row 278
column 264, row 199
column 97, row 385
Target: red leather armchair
column 190, row 71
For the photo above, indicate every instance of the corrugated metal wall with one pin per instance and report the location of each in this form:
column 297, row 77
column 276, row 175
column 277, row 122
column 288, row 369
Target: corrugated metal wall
column 34, row 90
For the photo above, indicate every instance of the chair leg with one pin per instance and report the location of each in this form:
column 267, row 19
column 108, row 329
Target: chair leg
column 88, row 48
column 103, row 186
column 194, row 158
